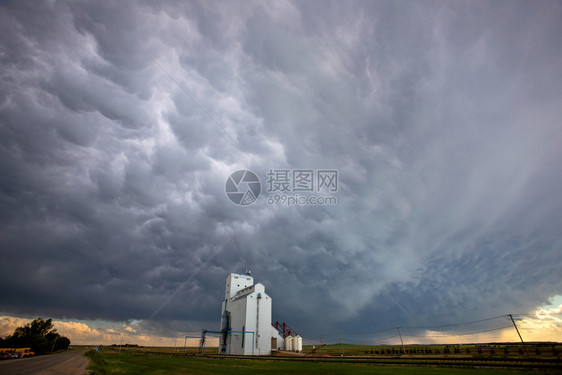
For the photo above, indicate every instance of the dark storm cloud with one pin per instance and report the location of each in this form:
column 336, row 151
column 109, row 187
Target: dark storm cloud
column 443, row 120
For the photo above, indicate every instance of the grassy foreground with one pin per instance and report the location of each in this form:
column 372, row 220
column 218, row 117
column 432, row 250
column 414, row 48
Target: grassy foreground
column 105, row 362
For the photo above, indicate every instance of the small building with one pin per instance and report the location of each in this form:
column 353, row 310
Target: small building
column 246, row 319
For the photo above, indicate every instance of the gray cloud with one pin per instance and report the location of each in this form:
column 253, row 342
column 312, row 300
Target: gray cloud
column 112, row 189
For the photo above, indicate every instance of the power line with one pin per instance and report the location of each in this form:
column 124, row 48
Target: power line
column 362, row 333
column 375, row 339
column 372, row 342
column 387, row 337
column 545, row 314
column 462, row 334
column 457, row 324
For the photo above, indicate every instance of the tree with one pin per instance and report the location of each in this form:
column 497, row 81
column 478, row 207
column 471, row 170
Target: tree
column 63, row 343
column 38, row 327
column 38, row 335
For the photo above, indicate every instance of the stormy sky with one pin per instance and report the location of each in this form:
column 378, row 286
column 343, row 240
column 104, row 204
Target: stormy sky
column 120, row 123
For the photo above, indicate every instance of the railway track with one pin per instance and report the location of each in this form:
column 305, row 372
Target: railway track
column 528, row 363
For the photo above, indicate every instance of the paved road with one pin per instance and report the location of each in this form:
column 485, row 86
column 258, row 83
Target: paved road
column 68, row 363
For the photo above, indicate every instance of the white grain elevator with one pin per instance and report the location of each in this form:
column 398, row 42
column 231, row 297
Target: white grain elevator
column 246, row 319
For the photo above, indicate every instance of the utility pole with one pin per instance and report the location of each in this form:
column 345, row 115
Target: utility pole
column 515, row 325
column 341, row 340
column 402, row 342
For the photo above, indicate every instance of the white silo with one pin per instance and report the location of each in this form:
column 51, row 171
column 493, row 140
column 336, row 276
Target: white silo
column 297, row 343
column 246, row 310
column 289, row 343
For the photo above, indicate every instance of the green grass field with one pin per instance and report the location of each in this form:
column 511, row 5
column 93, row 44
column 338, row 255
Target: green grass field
column 470, row 350
column 123, row 363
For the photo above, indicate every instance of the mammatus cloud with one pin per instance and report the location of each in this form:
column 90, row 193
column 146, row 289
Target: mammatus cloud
column 119, row 125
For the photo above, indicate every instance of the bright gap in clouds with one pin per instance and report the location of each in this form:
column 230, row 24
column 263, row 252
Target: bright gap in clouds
column 544, row 324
